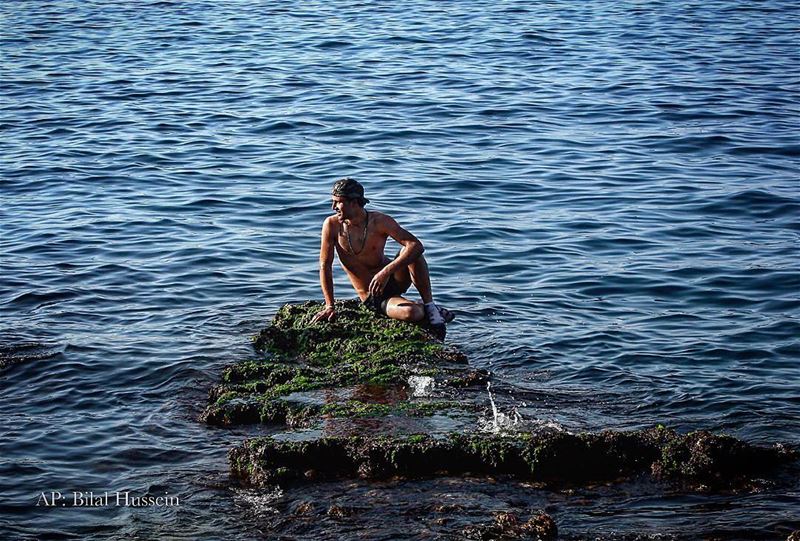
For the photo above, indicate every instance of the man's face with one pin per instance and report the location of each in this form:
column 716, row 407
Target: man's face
column 344, row 207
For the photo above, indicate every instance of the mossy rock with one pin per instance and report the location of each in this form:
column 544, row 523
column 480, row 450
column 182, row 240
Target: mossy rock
column 358, row 348
column 235, row 409
column 238, row 411
column 559, row 458
column 707, row 461
column 356, row 336
column 507, row 525
column 357, row 368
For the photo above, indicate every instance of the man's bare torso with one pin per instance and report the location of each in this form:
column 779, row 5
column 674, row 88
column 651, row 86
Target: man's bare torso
column 362, row 263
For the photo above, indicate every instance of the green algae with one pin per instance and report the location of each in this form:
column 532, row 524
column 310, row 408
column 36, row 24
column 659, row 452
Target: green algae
column 358, row 348
column 357, row 408
column 551, row 458
column 236, row 408
column 355, row 335
column 239, row 410
column 708, row 461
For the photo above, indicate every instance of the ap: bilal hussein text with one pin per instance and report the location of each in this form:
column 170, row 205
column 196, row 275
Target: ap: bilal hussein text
column 107, row 498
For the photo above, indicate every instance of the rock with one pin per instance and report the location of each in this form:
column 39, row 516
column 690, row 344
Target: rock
column 358, row 349
column 356, row 339
column 340, row 512
column 304, row 508
column 506, row 525
column 385, row 399
column 542, row 526
column 559, row 458
column 707, row 461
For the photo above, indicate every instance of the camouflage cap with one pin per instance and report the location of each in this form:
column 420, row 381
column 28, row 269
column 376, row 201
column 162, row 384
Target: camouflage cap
column 349, row 188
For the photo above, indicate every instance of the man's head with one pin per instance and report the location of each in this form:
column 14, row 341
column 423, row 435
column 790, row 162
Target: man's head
column 349, row 189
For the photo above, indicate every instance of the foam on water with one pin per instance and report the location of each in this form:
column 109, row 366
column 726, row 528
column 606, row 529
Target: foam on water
column 421, row 385
column 259, row 502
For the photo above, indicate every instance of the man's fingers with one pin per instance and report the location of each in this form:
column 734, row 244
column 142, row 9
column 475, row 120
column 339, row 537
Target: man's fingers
column 327, row 315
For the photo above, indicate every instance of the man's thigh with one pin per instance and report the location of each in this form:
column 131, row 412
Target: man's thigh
column 403, row 309
column 402, row 280
column 402, row 277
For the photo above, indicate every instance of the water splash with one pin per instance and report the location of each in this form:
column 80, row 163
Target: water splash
column 421, row 385
column 259, row 501
column 500, row 421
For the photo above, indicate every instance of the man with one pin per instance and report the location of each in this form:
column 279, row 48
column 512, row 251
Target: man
column 359, row 237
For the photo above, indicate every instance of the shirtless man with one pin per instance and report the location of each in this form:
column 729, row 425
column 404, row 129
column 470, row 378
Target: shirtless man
column 359, row 237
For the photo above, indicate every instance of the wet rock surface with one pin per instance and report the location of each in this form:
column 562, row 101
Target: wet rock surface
column 507, row 525
column 369, row 398
column 359, row 366
column 556, row 459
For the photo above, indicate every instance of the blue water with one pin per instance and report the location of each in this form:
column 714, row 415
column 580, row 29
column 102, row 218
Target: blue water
column 608, row 193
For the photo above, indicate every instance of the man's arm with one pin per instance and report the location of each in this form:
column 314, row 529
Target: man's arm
column 326, row 271
column 411, row 249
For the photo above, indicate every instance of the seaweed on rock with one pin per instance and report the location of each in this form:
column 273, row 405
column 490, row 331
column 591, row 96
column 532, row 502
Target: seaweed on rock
column 362, row 366
column 356, row 337
column 358, row 348
column 551, row 458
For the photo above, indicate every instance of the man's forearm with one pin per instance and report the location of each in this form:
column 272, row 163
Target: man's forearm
column 326, row 281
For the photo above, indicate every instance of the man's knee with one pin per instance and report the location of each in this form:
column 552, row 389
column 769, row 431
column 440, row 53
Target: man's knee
column 419, row 262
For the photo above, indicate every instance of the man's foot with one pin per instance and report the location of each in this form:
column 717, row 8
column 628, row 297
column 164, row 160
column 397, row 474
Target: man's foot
column 447, row 315
column 436, row 315
column 437, row 318
column 438, row 331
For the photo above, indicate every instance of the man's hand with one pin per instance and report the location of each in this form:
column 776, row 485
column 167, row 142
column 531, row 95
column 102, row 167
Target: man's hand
column 326, row 314
column 379, row 282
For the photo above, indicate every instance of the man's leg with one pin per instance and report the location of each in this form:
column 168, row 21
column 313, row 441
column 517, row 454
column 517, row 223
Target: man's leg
column 416, row 273
column 421, row 279
column 404, row 309
column 397, row 306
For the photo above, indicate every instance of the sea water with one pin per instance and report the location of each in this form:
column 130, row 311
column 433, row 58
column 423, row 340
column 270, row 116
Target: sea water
column 607, row 193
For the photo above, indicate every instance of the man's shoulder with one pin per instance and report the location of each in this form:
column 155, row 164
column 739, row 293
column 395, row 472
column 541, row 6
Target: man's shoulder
column 330, row 225
column 378, row 216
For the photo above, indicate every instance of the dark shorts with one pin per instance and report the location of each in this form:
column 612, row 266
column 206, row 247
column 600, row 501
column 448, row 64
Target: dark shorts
column 392, row 289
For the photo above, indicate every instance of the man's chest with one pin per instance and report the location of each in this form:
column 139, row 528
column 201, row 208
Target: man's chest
column 356, row 250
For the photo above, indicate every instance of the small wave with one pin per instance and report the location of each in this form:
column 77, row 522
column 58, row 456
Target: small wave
column 34, row 300
column 755, row 203
column 541, row 37
column 790, row 151
column 332, row 44
column 281, row 126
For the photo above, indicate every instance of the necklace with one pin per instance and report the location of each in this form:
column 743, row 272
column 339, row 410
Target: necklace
column 363, row 242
